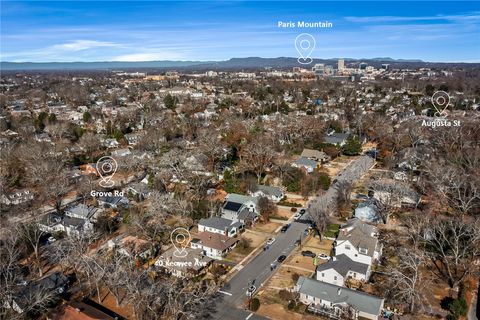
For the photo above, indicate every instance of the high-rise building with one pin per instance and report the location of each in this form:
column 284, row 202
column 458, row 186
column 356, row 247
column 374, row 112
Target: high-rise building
column 385, row 66
column 341, row 64
column 363, row 66
column 319, row 69
column 328, row 71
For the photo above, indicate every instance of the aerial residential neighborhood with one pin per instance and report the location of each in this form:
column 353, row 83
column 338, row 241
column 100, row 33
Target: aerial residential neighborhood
column 170, row 183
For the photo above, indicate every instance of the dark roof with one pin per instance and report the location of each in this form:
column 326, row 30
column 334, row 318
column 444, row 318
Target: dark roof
column 343, row 264
column 246, row 214
column 335, row 138
column 216, row 222
column 232, row 206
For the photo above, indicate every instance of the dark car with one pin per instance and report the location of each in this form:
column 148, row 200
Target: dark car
column 285, row 228
column 308, row 253
column 302, row 211
column 281, row 258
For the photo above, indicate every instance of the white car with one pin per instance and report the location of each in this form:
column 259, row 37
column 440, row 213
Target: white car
column 251, row 290
column 51, row 239
column 323, row 256
column 270, row 241
column 297, row 216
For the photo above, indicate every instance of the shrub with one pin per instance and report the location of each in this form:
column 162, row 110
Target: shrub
column 295, row 277
column 285, row 294
column 291, row 305
column 459, row 307
column 254, row 304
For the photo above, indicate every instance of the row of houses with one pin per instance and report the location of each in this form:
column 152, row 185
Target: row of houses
column 217, row 236
column 356, row 248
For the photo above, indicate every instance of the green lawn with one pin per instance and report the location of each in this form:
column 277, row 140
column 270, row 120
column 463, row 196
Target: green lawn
column 332, row 230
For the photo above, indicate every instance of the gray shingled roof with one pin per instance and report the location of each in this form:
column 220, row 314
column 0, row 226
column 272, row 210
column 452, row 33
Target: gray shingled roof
column 240, row 198
column 335, row 138
column 359, row 234
column 216, row 222
column 359, row 300
column 305, row 162
column 268, row 190
column 343, row 264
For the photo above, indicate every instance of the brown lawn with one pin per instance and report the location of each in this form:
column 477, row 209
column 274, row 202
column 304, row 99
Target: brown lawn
column 268, row 227
column 317, row 246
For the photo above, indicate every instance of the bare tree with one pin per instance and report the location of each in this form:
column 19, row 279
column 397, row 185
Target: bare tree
column 320, row 213
column 31, row 235
column 256, row 157
column 452, row 245
column 406, row 280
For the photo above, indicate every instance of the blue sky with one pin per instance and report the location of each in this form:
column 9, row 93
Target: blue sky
column 142, row 31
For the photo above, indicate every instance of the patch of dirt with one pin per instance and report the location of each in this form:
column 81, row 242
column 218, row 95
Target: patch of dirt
column 268, row 227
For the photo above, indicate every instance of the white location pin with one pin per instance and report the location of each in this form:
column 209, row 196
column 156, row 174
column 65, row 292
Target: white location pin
column 305, row 44
column 106, row 168
column 440, row 101
column 180, row 238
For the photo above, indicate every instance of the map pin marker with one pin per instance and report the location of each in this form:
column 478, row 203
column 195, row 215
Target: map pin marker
column 305, row 44
column 180, row 238
column 106, row 168
column 440, row 101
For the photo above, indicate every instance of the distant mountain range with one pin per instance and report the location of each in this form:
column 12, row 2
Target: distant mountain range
column 231, row 64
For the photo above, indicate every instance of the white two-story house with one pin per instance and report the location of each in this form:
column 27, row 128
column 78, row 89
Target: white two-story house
column 220, row 225
column 341, row 268
column 358, row 241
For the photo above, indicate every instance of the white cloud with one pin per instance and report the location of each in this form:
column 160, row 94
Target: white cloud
column 79, row 45
column 471, row 17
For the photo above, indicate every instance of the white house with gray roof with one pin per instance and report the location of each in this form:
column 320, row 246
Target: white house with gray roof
column 331, row 300
column 220, row 225
column 358, row 241
column 305, row 163
column 341, row 268
column 273, row 193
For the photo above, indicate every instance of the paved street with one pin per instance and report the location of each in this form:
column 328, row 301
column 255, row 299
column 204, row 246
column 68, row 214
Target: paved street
column 258, row 270
column 351, row 173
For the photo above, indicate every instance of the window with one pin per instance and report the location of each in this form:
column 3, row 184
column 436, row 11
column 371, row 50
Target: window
column 363, row 251
column 323, row 274
column 335, row 278
column 347, row 247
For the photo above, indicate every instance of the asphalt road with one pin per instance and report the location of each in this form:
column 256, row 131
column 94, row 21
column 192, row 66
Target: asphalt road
column 351, row 173
column 258, row 270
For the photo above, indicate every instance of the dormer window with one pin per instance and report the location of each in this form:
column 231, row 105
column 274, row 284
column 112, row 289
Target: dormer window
column 347, row 247
column 363, row 250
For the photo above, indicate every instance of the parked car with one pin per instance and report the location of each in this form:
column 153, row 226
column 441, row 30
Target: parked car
column 297, row 216
column 323, row 256
column 51, row 239
column 298, row 242
column 302, row 211
column 273, row 266
column 270, row 241
column 285, row 228
column 251, row 290
column 281, row 258
column 308, row 253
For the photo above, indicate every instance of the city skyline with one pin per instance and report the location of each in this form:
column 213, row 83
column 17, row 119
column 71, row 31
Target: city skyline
column 152, row 31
